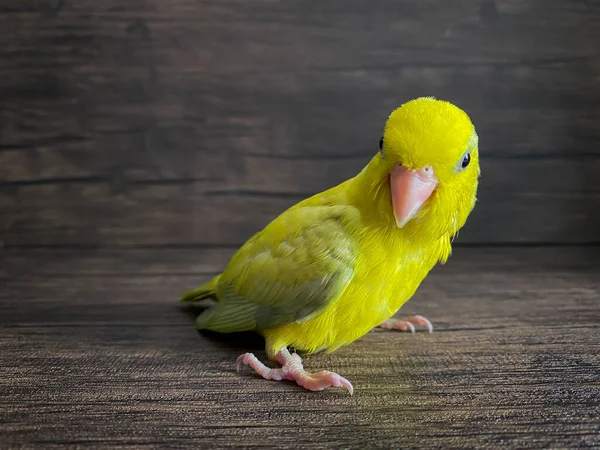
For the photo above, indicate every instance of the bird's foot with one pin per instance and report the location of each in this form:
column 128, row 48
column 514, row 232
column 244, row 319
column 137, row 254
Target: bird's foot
column 292, row 369
column 408, row 324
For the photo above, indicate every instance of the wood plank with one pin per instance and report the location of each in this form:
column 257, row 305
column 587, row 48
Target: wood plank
column 544, row 202
column 440, row 31
column 205, row 261
column 88, row 124
column 106, row 359
column 262, row 172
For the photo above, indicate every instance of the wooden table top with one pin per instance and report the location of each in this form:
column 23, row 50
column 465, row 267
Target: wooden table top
column 96, row 350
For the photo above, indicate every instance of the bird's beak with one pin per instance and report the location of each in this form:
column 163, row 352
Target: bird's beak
column 410, row 189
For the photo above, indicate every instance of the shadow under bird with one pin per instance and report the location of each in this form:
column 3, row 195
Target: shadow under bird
column 334, row 266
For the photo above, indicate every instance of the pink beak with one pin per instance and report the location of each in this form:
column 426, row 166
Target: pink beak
column 410, row 189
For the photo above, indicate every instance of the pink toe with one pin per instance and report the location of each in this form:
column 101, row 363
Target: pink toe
column 407, row 325
column 321, row 380
column 403, row 325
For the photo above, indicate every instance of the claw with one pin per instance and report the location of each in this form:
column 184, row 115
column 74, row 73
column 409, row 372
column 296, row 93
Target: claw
column 239, row 361
column 422, row 321
column 343, row 382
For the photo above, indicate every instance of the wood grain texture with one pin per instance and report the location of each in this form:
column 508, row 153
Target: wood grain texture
column 95, row 351
column 166, row 123
column 118, row 212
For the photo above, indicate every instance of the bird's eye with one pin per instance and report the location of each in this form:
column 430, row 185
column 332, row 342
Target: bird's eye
column 465, row 161
column 381, row 146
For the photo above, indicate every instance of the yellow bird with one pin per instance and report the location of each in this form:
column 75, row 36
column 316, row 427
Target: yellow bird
column 336, row 265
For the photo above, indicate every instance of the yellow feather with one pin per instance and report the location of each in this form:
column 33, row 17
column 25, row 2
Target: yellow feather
column 349, row 233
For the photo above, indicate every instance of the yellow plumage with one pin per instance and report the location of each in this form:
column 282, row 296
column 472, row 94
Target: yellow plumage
column 335, row 265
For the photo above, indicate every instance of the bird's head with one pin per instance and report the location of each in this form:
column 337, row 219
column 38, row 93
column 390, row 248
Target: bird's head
column 427, row 168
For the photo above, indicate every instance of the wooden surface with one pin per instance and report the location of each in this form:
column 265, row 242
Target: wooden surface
column 95, row 350
column 153, row 123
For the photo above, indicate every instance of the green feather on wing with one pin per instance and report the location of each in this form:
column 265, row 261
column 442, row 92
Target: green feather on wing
column 277, row 279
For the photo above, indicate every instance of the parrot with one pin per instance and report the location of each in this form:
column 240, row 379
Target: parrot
column 342, row 262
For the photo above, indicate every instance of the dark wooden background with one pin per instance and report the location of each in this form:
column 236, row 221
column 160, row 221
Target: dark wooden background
column 141, row 141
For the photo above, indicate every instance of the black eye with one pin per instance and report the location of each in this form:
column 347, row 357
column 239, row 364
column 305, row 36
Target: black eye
column 381, row 144
column 466, row 160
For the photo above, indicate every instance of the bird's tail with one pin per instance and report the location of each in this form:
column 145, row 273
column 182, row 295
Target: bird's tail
column 207, row 290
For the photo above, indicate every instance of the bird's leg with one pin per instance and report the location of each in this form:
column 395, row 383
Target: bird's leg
column 292, row 369
column 408, row 324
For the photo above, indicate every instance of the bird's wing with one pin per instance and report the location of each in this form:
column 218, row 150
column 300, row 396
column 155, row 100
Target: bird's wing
column 289, row 272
